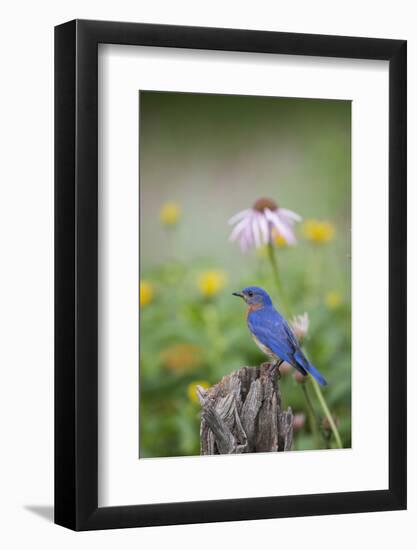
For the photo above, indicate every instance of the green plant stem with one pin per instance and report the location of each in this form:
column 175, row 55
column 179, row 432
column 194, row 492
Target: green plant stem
column 273, row 259
column 314, row 421
column 320, row 397
column 326, row 411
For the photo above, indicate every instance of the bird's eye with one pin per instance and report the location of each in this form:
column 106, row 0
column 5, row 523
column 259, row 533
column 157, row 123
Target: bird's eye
column 250, row 294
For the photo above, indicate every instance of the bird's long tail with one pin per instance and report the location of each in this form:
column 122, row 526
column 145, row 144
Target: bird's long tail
column 311, row 369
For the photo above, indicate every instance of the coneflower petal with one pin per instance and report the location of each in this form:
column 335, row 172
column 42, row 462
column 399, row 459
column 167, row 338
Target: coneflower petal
column 256, row 230
column 281, row 226
column 239, row 227
column 246, row 240
column 239, row 216
column 290, row 214
column 263, row 225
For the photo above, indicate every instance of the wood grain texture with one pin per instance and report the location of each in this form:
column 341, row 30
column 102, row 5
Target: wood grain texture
column 243, row 414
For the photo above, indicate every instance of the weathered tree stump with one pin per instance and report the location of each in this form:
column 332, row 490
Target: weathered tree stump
column 242, row 414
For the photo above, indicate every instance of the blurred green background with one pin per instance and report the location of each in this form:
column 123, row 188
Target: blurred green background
column 202, row 159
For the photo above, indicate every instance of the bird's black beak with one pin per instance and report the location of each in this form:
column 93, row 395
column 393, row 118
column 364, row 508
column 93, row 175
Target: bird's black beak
column 238, row 294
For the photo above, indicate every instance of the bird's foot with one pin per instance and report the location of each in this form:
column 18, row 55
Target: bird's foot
column 275, row 368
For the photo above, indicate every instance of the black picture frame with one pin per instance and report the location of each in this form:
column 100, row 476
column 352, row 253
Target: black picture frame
column 76, row 272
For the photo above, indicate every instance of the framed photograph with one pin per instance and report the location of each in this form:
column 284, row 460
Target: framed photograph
column 230, row 284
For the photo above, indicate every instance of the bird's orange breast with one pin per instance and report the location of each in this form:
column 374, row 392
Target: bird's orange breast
column 253, row 307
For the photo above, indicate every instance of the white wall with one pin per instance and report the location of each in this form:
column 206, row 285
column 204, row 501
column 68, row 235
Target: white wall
column 26, row 291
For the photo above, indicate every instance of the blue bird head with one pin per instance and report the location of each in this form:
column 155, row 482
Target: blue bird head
column 254, row 295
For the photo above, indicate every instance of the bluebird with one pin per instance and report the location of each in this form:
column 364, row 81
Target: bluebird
column 272, row 333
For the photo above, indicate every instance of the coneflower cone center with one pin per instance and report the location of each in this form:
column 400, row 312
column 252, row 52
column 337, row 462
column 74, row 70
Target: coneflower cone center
column 262, row 204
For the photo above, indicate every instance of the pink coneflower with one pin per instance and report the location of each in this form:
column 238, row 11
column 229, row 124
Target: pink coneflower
column 254, row 225
column 300, row 324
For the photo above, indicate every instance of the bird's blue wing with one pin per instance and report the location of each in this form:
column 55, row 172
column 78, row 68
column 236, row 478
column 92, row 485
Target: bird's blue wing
column 272, row 331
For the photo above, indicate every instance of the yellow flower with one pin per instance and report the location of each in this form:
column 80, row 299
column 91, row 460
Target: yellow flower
column 211, row 282
column 278, row 239
column 146, row 293
column 170, row 213
column 191, row 390
column 333, row 299
column 181, row 357
column 318, row 231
